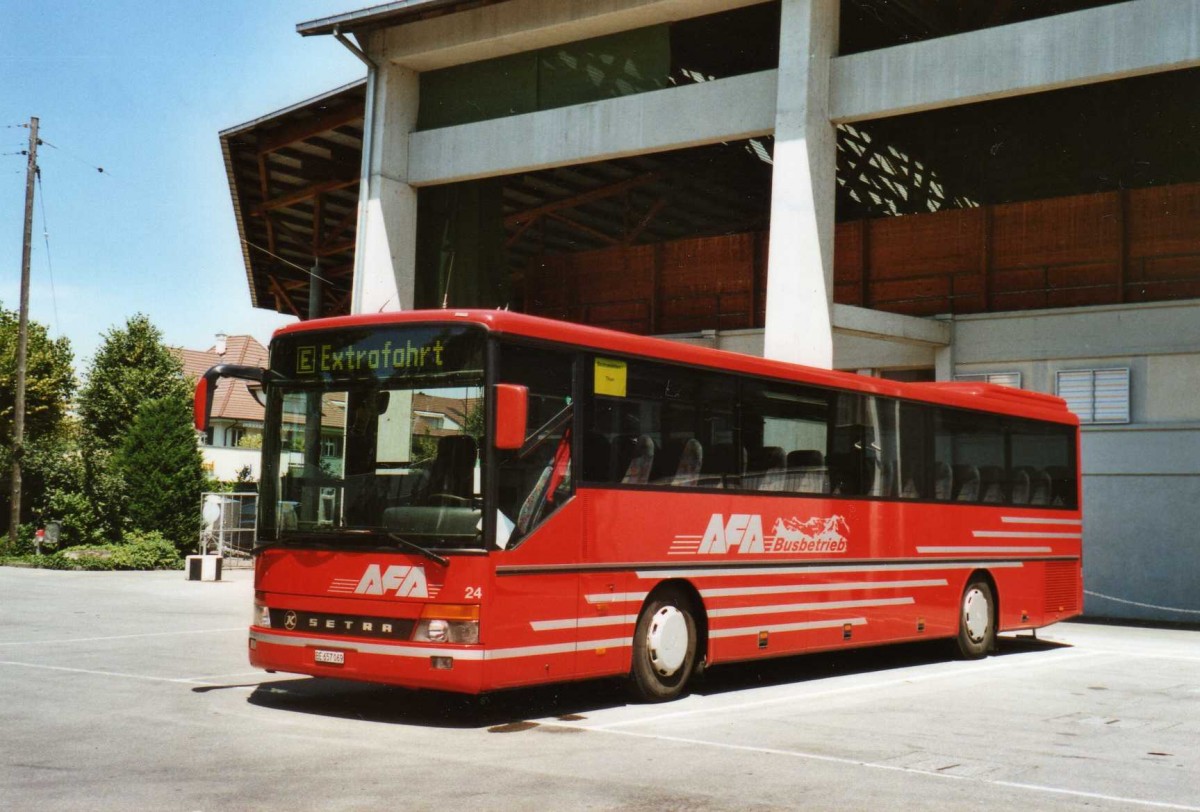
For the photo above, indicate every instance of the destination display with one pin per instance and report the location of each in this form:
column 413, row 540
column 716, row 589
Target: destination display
column 429, row 350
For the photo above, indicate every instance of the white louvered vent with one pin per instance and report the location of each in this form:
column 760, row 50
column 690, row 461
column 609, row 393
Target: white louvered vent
column 1012, row 379
column 1096, row 395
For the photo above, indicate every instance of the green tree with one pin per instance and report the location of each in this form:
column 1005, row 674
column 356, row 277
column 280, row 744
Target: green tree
column 131, row 367
column 49, row 384
column 162, row 468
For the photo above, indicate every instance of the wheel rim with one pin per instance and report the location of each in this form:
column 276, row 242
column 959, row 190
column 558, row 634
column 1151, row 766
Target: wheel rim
column 977, row 614
column 667, row 640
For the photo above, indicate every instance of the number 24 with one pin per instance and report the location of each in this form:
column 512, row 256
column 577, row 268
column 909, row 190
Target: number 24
column 475, row 592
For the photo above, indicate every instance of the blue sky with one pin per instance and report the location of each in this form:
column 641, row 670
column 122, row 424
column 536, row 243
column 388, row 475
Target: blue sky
column 143, row 89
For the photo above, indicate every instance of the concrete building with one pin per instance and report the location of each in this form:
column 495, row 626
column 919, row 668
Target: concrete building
column 916, row 189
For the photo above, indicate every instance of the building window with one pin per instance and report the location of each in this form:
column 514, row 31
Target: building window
column 1096, row 395
column 1012, row 379
column 234, row 435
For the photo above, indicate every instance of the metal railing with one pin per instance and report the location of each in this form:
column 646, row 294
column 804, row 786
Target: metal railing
column 230, row 525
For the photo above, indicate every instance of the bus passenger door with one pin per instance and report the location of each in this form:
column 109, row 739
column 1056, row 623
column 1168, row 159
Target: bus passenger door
column 533, row 627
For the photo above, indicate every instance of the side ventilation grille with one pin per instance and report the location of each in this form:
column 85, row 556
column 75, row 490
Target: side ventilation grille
column 1062, row 587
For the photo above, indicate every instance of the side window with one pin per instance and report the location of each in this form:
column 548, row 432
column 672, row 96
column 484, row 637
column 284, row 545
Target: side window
column 864, row 457
column 657, row 424
column 1043, row 465
column 916, row 480
column 969, row 457
column 535, row 480
column 785, row 437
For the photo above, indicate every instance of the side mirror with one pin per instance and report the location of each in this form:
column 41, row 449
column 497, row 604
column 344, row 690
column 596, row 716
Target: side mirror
column 206, row 387
column 202, row 404
column 512, row 414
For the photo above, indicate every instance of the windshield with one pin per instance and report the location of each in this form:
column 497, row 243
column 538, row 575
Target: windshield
column 373, row 437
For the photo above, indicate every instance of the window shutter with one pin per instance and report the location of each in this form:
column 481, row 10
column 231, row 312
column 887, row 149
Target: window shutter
column 1076, row 389
column 1111, row 400
column 1012, row 379
column 1096, row 395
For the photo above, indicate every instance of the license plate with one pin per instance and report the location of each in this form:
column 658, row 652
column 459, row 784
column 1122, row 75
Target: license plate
column 331, row 657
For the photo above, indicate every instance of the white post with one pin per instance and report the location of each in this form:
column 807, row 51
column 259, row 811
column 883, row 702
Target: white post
column 385, row 264
column 803, row 189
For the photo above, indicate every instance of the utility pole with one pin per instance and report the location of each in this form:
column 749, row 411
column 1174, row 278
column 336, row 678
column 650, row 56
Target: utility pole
column 18, row 447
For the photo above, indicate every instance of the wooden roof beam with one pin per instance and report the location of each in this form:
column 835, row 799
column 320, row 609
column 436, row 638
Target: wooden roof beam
column 302, row 195
column 307, row 129
column 513, row 220
column 281, row 296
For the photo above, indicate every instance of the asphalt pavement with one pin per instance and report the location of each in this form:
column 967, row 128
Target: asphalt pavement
column 132, row 691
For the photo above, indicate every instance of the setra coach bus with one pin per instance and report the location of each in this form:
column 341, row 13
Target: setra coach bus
column 477, row 500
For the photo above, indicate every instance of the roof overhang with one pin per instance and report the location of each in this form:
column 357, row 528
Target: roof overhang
column 387, row 15
column 294, row 177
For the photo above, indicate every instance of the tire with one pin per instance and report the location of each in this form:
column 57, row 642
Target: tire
column 664, row 648
column 977, row 620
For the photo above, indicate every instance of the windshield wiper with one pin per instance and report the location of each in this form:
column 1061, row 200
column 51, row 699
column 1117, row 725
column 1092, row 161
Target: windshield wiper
column 419, row 550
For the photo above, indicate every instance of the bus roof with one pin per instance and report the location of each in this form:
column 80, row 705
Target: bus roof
column 981, row 396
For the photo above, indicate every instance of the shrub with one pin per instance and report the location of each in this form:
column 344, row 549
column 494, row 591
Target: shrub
column 145, row 551
column 138, row 551
column 24, row 544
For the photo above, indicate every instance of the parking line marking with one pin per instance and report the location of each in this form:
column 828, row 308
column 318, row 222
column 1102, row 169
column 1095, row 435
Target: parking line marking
column 888, row 767
column 176, row 680
column 967, row 669
column 119, row 637
column 227, row 676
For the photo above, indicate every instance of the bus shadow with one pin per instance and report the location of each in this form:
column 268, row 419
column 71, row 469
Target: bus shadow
column 511, row 710
column 850, row 662
column 504, row 710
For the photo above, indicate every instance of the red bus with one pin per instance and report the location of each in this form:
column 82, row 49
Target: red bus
column 477, row 500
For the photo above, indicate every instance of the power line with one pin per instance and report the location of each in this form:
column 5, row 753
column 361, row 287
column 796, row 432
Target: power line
column 49, row 264
column 300, row 268
column 75, row 156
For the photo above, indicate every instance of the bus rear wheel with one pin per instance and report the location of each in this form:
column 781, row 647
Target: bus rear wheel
column 664, row 648
column 977, row 624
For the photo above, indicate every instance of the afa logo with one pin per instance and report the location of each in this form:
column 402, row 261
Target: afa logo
column 400, row 581
column 743, row 533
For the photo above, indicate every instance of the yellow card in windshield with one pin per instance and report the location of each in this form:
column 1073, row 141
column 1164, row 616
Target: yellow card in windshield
column 610, row 377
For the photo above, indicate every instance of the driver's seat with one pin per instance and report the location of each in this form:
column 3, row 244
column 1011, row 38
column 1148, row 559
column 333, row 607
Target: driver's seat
column 453, row 469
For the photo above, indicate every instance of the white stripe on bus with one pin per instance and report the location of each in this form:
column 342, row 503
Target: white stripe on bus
column 737, row 592
column 430, row 651
column 989, row 550
column 616, row 597
column 367, row 648
column 738, row 611
column 788, row 627
column 581, row 622
column 745, row 591
column 556, row 648
column 729, row 572
column 1019, row 534
column 1024, row 520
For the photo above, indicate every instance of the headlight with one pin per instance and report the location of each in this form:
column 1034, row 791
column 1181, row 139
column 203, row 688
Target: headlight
column 261, row 615
column 447, row 623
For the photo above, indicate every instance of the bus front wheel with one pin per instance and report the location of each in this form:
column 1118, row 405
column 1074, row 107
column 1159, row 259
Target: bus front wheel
column 976, row 624
column 664, row 648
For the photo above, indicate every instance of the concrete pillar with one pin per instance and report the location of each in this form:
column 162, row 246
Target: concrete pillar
column 385, row 264
column 803, row 192
column 943, row 357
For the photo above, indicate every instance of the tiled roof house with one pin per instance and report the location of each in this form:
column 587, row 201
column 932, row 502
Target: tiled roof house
column 235, row 412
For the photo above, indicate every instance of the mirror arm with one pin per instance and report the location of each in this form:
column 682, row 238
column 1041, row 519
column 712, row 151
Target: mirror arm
column 207, row 385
